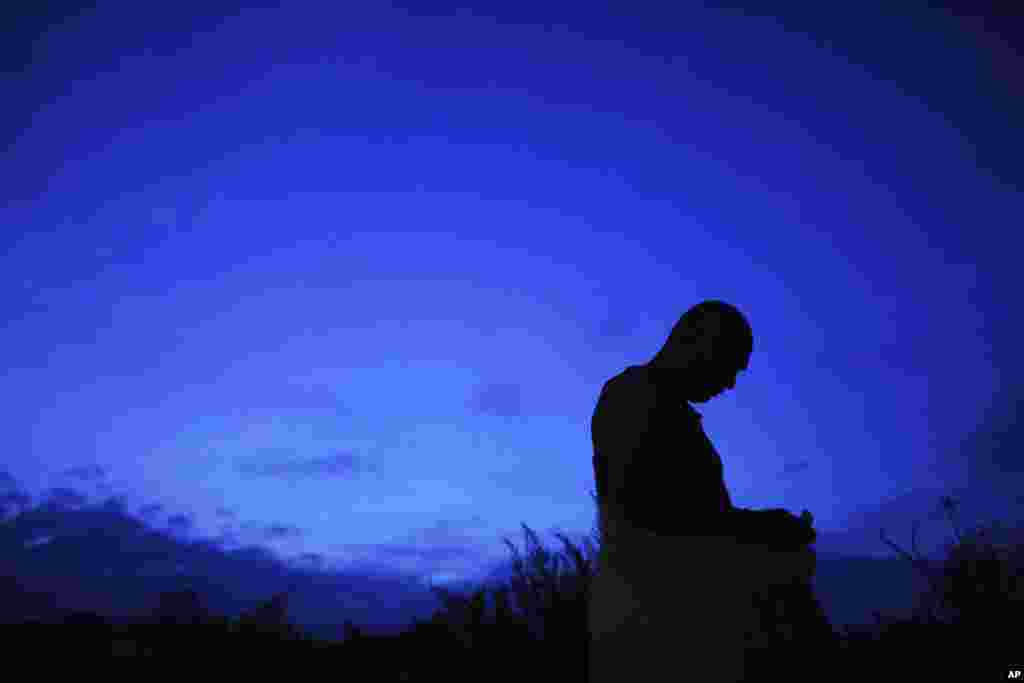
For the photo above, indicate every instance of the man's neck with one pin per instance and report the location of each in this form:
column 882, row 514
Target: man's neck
column 670, row 380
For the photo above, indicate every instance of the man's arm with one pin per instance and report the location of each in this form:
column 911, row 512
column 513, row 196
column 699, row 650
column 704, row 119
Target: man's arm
column 669, row 481
column 691, row 512
column 672, row 485
column 776, row 529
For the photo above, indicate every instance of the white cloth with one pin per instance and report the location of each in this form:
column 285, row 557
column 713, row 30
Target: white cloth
column 678, row 609
column 664, row 606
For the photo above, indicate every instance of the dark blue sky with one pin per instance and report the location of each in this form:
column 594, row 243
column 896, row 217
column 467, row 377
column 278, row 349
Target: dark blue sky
column 345, row 281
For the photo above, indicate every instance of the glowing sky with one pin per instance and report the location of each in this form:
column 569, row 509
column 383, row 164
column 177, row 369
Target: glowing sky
column 347, row 281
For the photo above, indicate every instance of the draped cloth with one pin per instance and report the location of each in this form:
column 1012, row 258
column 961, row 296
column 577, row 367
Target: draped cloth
column 672, row 595
column 681, row 609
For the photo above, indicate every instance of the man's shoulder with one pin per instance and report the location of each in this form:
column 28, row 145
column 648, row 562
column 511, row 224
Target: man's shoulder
column 634, row 389
column 634, row 376
column 630, row 384
column 638, row 378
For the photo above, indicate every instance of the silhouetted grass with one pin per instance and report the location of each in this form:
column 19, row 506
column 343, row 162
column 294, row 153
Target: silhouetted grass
column 961, row 622
column 534, row 624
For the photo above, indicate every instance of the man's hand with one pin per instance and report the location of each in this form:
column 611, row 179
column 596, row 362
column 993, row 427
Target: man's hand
column 787, row 531
column 789, row 555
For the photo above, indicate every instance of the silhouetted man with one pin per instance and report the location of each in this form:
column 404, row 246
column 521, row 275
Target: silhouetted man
column 678, row 563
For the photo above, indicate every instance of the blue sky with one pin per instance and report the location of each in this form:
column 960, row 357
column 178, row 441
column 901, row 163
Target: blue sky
column 349, row 282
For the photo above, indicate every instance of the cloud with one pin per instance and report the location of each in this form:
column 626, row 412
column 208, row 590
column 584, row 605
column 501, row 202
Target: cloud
column 794, row 467
column 503, row 399
column 151, row 510
column 7, row 482
column 446, row 532
column 314, row 560
column 228, row 538
column 279, row 531
column 614, row 329
column 621, row 323
column 87, row 472
column 339, row 464
column 382, row 598
column 180, row 522
column 310, row 397
column 319, row 398
column 14, row 499
column 65, row 497
column 405, row 554
column 115, row 504
column 446, row 545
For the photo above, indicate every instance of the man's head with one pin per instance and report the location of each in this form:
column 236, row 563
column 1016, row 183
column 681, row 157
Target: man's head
column 708, row 347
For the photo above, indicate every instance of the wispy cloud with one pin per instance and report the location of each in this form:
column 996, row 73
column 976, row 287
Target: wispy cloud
column 180, row 522
column 14, row 502
column 7, row 482
column 340, row 464
column 87, row 472
column 503, row 399
column 447, row 532
column 447, row 545
column 794, row 467
column 613, row 329
column 314, row 560
column 280, row 531
column 150, row 510
column 408, row 555
column 65, row 497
